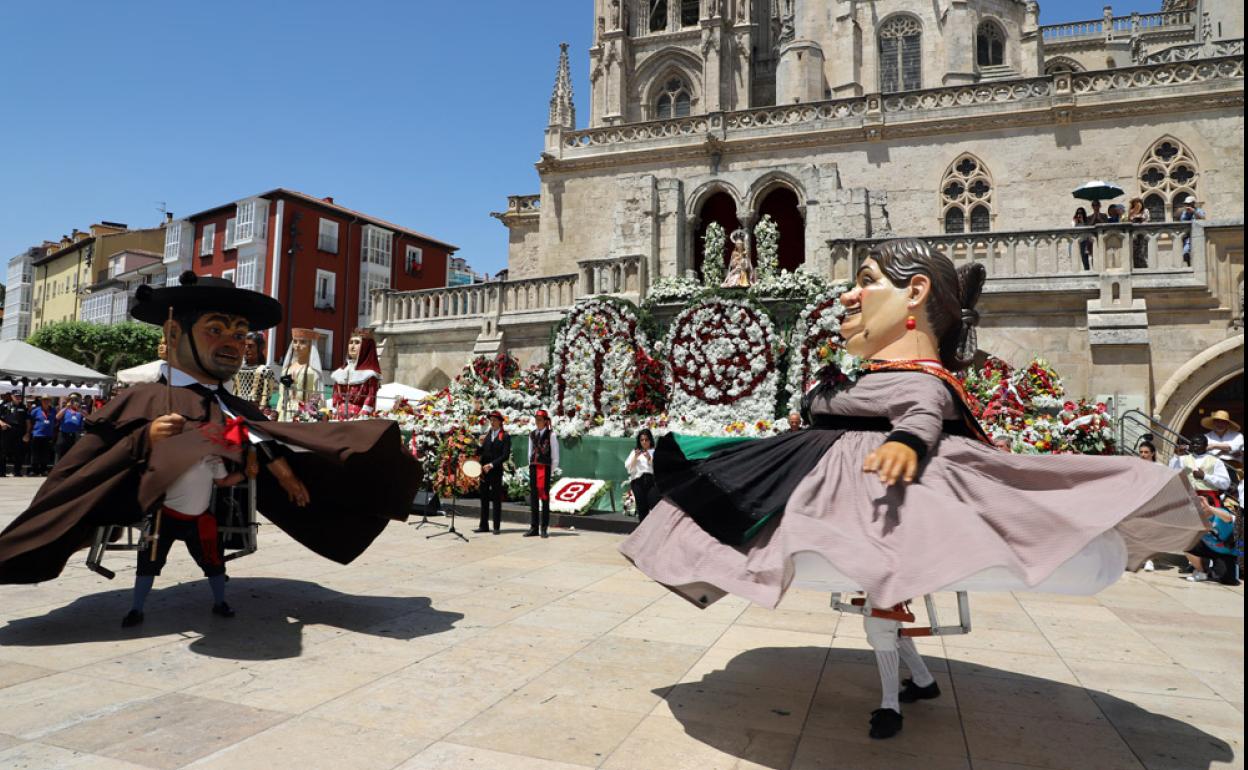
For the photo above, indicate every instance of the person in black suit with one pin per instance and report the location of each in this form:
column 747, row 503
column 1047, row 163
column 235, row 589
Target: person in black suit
column 495, row 450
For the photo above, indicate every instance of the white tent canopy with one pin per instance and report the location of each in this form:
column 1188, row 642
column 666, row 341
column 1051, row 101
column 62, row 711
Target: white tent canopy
column 391, row 392
column 7, row 386
column 19, row 361
column 149, row 372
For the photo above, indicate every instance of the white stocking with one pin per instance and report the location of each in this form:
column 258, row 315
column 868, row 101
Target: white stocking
column 914, row 661
column 882, row 635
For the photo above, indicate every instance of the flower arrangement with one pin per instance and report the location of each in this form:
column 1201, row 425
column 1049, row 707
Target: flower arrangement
column 576, row 495
column 816, row 343
column 713, row 255
column 722, row 364
column 799, row 284
column 596, row 358
column 672, row 289
column 767, row 242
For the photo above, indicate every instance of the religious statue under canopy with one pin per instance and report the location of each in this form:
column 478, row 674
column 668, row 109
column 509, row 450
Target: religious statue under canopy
column 301, row 377
column 357, row 381
column 740, row 269
column 255, row 381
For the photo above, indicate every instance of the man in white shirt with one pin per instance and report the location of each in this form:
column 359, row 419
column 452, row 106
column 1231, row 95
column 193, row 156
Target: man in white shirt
column 1207, row 472
column 1225, row 440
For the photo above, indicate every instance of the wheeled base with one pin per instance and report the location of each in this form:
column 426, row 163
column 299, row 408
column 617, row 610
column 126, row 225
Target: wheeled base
column 901, row 613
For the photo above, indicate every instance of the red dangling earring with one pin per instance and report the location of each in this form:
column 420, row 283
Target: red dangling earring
column 911, row 324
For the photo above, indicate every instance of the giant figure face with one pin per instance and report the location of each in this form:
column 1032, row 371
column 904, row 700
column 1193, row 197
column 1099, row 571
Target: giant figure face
column 302, row 351
column 353, row 348
column 219, row 339
column 875, row 311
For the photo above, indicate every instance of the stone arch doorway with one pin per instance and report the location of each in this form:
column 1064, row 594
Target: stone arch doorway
column 1229, row 396
column 720, row 207
column 1202, row 383
column 781, row 204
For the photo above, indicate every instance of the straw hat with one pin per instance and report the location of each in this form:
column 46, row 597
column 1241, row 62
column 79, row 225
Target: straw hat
column 1220, row 414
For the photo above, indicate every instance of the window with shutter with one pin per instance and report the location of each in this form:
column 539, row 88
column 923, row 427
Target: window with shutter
column 327, row 236
column 208, row 240
column 229, row 233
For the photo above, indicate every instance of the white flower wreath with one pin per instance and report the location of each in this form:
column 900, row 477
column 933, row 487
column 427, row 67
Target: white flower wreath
column 594, row 368
column 721, row 363
column 816, row 341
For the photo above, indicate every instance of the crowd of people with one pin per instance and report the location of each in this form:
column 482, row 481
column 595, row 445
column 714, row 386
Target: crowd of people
column 1213, row 463
column 36, row 432
column 1136, row 213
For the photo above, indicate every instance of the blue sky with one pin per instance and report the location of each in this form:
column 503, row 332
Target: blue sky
column 424, row 113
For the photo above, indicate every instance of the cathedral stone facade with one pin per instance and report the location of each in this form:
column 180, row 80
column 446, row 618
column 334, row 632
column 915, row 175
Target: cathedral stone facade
column 964, row 122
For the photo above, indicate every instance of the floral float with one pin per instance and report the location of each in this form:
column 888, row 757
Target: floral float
column 817, row 343
column 597, row 354
column 722, row 361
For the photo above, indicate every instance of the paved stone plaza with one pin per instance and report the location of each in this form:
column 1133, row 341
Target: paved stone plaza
column 507, row 653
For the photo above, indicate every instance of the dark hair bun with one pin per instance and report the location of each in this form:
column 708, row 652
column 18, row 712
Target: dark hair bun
column 188, row 278
column 143, row 293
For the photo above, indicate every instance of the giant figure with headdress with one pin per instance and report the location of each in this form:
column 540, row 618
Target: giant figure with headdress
column 152, row 455
column 357, row 381
column 301, row 391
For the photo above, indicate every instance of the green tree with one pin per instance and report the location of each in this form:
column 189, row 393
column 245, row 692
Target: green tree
column 102, row 348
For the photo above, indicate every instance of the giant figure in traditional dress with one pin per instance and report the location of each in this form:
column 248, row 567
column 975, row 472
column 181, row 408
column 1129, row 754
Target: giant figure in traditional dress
column 357, row 381
column 896, row 491
column 255, row 382
column 154, row 453
column 301, row 377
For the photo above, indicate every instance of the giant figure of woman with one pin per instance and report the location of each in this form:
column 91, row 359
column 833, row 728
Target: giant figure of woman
column 896, row 491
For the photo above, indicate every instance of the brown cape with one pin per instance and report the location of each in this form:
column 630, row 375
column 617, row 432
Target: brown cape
column 357, row 474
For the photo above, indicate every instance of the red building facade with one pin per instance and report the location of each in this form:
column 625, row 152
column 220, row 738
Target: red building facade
column 320, row 259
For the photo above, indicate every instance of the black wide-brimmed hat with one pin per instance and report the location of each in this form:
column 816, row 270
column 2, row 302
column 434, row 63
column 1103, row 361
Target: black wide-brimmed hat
column 205, row 293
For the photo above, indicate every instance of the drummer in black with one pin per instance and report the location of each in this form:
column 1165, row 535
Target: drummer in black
column 14, row 432
column 543, row 462
column 495, row 450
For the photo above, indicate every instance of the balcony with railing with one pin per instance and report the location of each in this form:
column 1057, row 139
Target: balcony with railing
column 1110, row 26
column 1160, row 255
column 874, row 115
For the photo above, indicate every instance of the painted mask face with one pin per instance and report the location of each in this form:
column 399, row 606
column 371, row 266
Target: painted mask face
column 353, row 348
column 302, row 351
column 875, row 312
column 251, row 353
column 219, row 339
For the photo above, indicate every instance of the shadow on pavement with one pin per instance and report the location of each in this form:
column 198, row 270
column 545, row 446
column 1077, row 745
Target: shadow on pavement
column 745, row 710
column 269, row 626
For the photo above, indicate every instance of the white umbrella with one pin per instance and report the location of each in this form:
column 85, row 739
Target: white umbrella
column 1097, row 190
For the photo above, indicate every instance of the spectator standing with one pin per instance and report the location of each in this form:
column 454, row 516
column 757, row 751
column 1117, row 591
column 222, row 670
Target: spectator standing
column 1002, row 441
column 1225, row 441
column 640, row 467
column 1137, row 214
column 1114, row 213
column 795, row 421
column 1147, row 451
column 543, row 457
column 1097, row 217
column 42, row 433
column 1188, row 213
column 1085, row 244
column 494, row 453
column 68, row 427
column 14, row 433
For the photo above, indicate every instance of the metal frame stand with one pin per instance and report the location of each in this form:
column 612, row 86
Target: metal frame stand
column 450, row 530
column 901, row 613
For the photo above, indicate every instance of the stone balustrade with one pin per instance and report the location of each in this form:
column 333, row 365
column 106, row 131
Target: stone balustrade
column 524, row 204
column 868, row 116
column 1193, row 51
column 1110, row 26
column 613, row 275
column 474, row 302
column 1052, row 260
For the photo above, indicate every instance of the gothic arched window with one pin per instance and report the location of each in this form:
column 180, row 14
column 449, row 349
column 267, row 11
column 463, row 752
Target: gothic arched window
column 658, row 16
column 901, row 54
column 673, row 101
column 1168, row 173
column 989, row 44
column 966, row 196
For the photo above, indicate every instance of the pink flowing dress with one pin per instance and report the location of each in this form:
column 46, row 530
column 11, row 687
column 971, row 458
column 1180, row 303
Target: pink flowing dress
column 972, row 508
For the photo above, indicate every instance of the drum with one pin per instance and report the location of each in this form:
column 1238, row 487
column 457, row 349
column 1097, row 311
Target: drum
column 471, row 469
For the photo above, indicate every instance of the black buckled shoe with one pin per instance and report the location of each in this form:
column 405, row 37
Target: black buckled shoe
column 545, row 533
column 531, row 533
column 911, row 692
column 132, row 619
column 222, row 610
column 481, row 530
column 885, row 723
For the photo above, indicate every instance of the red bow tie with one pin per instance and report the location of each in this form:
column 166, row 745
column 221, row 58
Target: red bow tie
column 235, row 434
